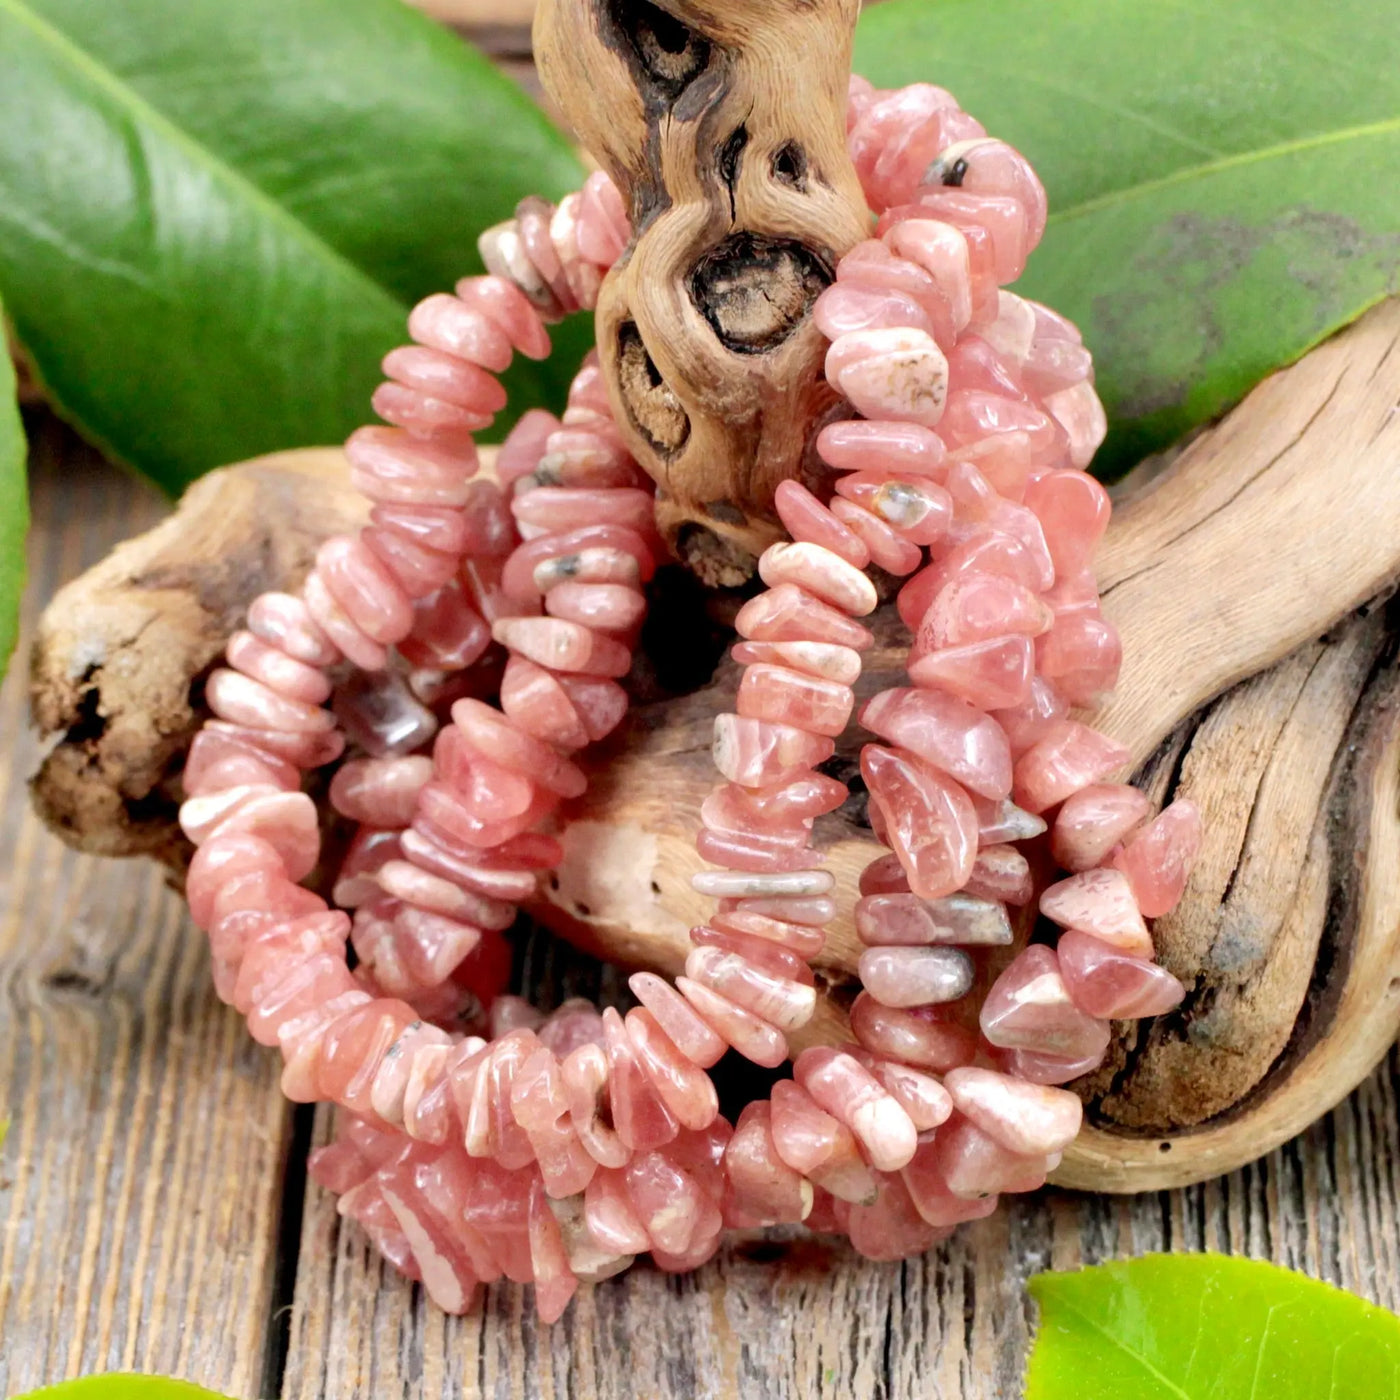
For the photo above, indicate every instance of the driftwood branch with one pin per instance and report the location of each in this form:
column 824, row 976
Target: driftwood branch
column 742, row 198
column 1249, row 580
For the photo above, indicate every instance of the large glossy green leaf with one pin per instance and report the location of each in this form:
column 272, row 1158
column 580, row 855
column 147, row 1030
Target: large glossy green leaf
column 1222, row 177
column 1207, row 1327
column 14, row 518
column 215, row 213
column 122, row 1388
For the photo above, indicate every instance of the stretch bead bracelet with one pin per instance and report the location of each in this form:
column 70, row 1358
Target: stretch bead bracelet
column 556, row 1148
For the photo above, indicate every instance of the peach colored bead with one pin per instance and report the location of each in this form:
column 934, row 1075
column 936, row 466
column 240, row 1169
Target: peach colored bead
column 600, row 703
column 218, row 760
column 683, row 1086
column 888, row 548
column 942, row 252
column 1081, row 657
column 362, row 651
column 775, row 999
column 594, row 565
column 242, row 700
column 978, row 607
column 692, row 1037
column 750, row 1035
column 380, row 792
column 930, row 821
column 517, row 579
column 491, row 735
column 1001, row 873
column 1081, row 415
column 1027, row 1119
column 821, row 573
column 446, row 377
column 607, row 607
column 763, row 1189
column 448, row 633
column 818, row 1145
column 810, row 911
column 1100, row 902
column 1029, row 1008
column 1074, row 510
column 1093, row 821
column 905, row 449
column 642, row 1119
column 1031, row 720
column 915, row 976
column 790, row 614
column 391, row 465
column 290, row 678
column 534, row 699
column 920, row 511
column 992, row 675
column 951, row 735
column 810, row 522
column 611, row 1219
column 844, row 1088
column 418, row 571
column 507, row 307
column 904, row 920
column 784, row 696
column 365, row 589
column 445, row 323
column 822, row 659
column 219, row 860
column 555, row 509
column 1069, row 757
column 1105, row 981
column 920, row 1095
column 755, row 752
column 563, row 646
column 805, row 941
column 402, row 879
column 974, row 1165
column 427, row 417
column 848, row 306
column 899, row 374
column 283, row 621
column 914, row 1036
column 975, row 550
column 1158, row 858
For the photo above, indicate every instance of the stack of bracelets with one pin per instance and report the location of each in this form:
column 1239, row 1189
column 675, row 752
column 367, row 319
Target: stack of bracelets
column 565, row 1145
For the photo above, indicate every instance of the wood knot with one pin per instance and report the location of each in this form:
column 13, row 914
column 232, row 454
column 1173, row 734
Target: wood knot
column 756, row 291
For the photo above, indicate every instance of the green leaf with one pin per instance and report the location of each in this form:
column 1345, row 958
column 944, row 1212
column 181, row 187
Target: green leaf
column 1207, row 1327
column 122, row 1388
column 214, row 214
column 1221, row 177
column 14, row 517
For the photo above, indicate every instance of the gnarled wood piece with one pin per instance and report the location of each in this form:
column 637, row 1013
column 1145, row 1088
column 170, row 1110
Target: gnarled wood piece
column 122, row 650
column 742, row 198
column 1259, row 681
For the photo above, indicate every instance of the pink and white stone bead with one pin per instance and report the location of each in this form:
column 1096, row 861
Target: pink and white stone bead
column 554, row 1149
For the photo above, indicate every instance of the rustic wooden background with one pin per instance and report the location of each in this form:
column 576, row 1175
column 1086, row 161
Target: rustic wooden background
column 155, row 1216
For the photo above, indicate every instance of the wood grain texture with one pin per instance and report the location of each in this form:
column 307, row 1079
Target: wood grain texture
column 141, row 1181
column 144, row 1192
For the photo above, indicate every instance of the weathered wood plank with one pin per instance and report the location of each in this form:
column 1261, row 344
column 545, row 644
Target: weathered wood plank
column 140, row 1183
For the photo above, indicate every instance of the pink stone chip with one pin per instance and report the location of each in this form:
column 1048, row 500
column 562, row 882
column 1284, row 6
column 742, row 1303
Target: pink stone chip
column 1114, row 985
column 1029, row 1008
column 947, row 733
column 929, row 820
column 1158, row 858
column 1100, row 902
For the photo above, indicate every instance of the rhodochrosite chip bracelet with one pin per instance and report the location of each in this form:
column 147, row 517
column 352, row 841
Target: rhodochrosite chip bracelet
column 471, row 638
